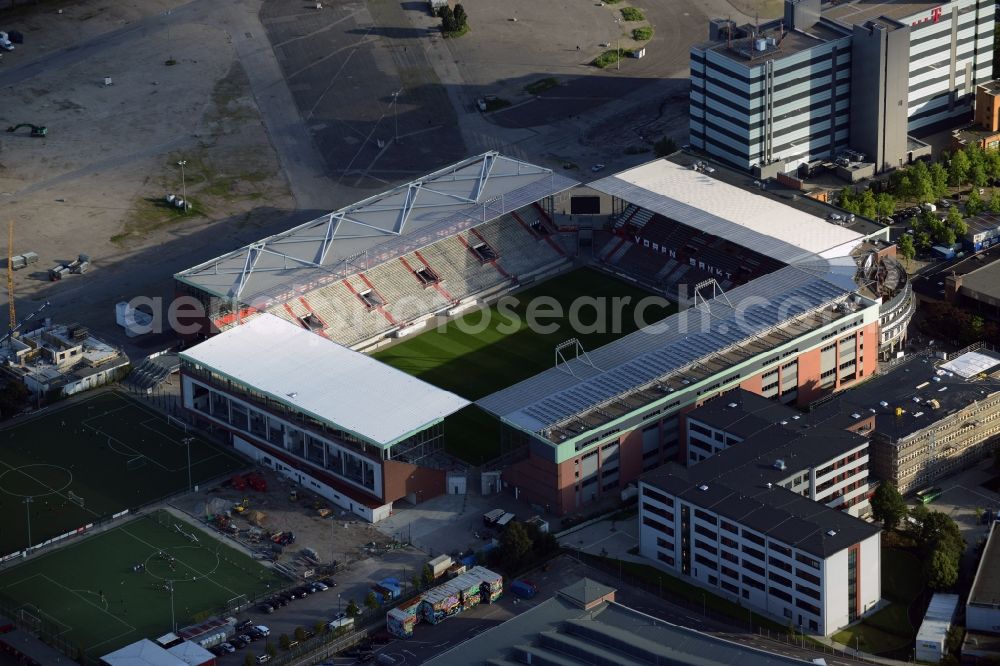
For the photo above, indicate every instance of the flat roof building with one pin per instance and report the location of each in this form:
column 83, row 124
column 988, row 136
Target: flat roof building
column 982, row 609
column 929, row 420
column 583, row 623
column 977, row 290
column 829, row 77
column 763, row 512
column 350, row 428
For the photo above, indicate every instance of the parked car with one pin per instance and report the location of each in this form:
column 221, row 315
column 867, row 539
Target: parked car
column 263, row 658
column 244, row 625
column 321, row 586
column 228, row 647
column 597, row 167
column 329, row 581
column 266, row 608
column 238, row 642
column 263, row 630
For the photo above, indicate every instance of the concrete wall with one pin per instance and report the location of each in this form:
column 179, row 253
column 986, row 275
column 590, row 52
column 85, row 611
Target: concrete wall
column 879, row 67
column 401, row 480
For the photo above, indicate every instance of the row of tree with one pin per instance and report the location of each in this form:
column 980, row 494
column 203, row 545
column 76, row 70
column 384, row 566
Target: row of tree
column 938, row 539
column 943, row 320
column 867, row 204
column 967, row 166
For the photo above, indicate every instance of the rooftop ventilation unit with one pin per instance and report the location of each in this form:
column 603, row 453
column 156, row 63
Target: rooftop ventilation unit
column 884, row 403
column 856, row 415
column 733, row 405
column 769, row 484
column 831, row 532
column 703, row 487
column 779, row 464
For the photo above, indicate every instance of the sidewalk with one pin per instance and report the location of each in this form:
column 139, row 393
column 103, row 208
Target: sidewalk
column 858, row 654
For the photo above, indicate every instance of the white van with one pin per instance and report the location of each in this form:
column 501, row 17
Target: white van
column 340, row 622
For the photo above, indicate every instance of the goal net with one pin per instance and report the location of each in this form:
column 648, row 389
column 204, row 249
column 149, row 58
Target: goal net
column 29, row 618
column 177, row 423
column 135, row 463
column 76, row 499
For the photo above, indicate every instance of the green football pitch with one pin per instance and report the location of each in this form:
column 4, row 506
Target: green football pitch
column 89, row 596
column 93, row 458
column 488, row 350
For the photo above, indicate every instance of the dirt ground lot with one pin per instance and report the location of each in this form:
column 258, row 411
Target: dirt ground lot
column 339, row 536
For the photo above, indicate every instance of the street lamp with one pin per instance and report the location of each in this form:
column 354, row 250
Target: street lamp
column 183, row 185
column 395, row 114
column 338, row 604
column 173, row 622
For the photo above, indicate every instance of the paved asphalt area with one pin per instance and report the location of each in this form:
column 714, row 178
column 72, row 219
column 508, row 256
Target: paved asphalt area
column 343, row 65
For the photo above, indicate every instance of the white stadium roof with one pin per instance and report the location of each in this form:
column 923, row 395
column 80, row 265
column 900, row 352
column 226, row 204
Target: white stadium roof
column 357, row 237
column 715, row 207
column 314, row 375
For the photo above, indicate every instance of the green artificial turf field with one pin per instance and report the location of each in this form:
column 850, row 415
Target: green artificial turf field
column 91, row 459
column 474, row 357
column 88, row 596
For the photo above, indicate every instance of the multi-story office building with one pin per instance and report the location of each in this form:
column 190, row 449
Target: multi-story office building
column 819, row 460
column 343, row 425
column 929, row 420
column 833, row 76
column 729, row 525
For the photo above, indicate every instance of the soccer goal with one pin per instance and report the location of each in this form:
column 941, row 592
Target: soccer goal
column 177, row 423
column 135, row 462
column 236, row 604
column 76, row 499
column 29, row 618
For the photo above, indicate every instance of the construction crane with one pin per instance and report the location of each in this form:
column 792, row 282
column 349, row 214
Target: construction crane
column 11, row 312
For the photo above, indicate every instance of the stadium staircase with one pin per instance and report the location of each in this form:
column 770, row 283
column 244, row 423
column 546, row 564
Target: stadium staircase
column 640, row 219
column 152, row 372
column 545, row 237
column 626, row 215
column 620, row 251
column 521, row 251
column 406, row 296
column 459, row 269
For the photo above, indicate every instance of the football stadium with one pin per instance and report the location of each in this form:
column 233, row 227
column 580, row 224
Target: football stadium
column 350, row 354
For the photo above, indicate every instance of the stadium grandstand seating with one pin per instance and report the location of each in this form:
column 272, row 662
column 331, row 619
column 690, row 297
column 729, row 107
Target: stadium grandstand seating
column 639, row 231
column 393, row 294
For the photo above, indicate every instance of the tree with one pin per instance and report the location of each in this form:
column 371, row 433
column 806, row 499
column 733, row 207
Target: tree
column 922, row 187
column 461, row 18
column 427, row 574
column 994, row 202
column 13, row 397
column 664, row 147
column 846, row 200
column 903, row 186
column 300, row 634
column 415, row 582
column 270, row 649
column 284, row 641
column 906, row 248
column 249, row 660
column 888, row 506
column 958, row 169
column 371, row 601
column 320, row 627
column 515, row 545
column 946, row 236
column 941, row 570
column 866, row 204
column 352, row 609
column 448, row 23
column 939, row 180
column 938, row 531
column 885, row 205
column 922, row 240
column 955, row 221
column 974, row 204
column 977, row 175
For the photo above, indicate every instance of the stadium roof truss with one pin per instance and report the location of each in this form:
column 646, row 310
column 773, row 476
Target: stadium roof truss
column 378, row 229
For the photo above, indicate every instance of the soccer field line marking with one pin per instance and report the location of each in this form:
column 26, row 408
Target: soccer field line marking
column 108, row 640
column 208, row 578
column 45, row 485
column 173, row 440
column 88, row 602
column 132, row 451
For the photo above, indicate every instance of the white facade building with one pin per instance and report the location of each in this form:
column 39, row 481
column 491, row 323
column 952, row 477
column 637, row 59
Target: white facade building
column 353, row 430
column 813, row 567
